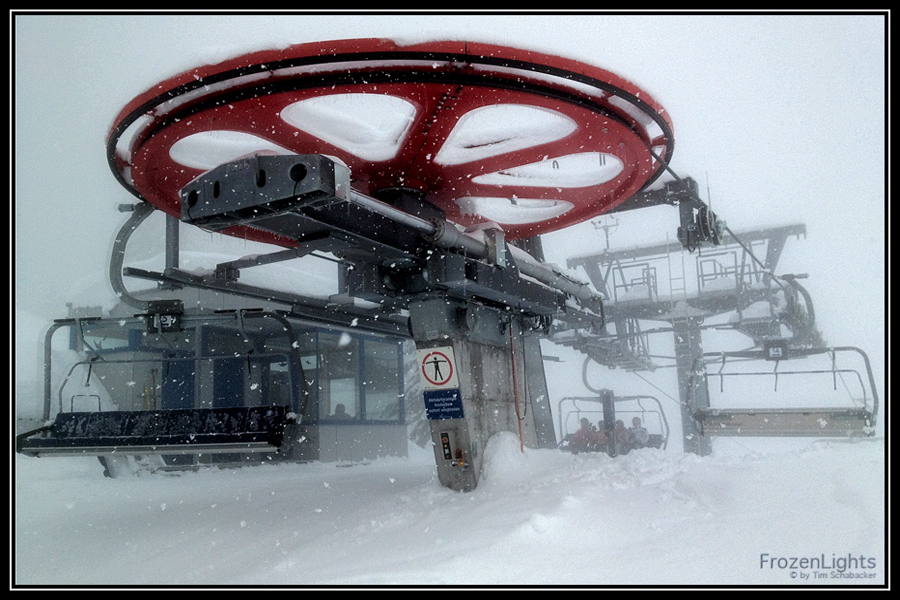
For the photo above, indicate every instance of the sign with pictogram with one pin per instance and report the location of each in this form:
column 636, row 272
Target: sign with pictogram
column 438, row 369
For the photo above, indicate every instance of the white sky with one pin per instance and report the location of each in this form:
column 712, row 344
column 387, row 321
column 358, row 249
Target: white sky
column 783, row 117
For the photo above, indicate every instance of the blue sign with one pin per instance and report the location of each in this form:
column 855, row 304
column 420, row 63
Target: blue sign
column 443, row 404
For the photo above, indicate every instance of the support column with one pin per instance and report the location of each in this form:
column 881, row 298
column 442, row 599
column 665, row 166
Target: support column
column 479, row 379
column 537, row 392
column 609, row 422
column 693, row 388
column 173, row 249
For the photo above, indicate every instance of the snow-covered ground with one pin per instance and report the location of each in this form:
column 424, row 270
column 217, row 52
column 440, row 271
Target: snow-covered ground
column 538, row 518
column 542, row 518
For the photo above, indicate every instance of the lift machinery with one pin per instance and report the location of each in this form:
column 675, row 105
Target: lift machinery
column 428, row 172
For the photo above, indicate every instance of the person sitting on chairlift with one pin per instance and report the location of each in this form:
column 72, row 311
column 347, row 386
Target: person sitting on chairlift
column 583, row 439
column 600, row 437
column 622, row 445
column 637, row 435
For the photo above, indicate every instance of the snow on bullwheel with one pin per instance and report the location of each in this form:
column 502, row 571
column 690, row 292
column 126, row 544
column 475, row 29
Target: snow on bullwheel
column 532, row 142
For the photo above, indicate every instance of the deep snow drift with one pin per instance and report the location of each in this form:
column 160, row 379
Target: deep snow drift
column 540, row 518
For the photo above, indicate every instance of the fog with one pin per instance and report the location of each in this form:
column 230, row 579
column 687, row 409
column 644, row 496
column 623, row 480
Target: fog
column 780, row 118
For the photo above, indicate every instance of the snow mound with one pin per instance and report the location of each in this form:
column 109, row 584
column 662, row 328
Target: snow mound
column 504, row 461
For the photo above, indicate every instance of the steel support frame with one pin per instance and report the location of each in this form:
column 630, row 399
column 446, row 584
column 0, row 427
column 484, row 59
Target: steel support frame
column 693, row 386
column 499, row 383
column 477, row 298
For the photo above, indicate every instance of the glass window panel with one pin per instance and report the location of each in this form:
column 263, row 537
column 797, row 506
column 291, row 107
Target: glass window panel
column 382, row 381
column 338, row 376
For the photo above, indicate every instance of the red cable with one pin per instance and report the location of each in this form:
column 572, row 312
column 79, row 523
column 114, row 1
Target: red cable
column 512, row 347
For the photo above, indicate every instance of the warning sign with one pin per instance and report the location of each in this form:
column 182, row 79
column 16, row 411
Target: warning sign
column 438, row 369
column 443, row 404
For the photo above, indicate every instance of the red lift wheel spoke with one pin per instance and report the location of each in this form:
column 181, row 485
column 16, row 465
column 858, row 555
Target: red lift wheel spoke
column 532, row 142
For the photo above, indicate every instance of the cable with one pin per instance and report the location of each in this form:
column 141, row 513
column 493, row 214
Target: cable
column 512, row 347
column 746, row 249
column 656, row 387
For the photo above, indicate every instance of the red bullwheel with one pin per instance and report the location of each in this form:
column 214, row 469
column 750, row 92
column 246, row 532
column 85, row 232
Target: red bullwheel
column 532, row 142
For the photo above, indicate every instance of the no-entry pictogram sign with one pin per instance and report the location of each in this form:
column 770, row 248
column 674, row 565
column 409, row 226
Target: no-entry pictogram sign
column 437, row 368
